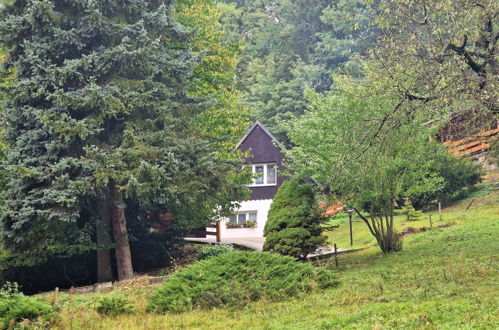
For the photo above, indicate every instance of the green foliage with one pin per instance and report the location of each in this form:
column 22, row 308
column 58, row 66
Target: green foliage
column 113, row 305
column 494, row 151
column 349, row 31
column 214, row 250
column 356, row 143
column 108, row 96
column 294, row 221
column 289, row 45
column 460, row 175
column 236, row 279
column 442, row 279
column 443, row 53
column 15, row 307
column 409, row 211
column 214, row 75
column 250, row 224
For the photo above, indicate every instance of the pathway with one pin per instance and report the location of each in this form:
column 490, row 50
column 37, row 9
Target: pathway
column 256, row 243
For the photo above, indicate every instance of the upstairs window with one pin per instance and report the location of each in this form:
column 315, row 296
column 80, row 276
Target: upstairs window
column 264, row 174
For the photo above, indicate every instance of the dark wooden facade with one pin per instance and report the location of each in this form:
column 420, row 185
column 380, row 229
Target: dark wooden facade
column 263, row 148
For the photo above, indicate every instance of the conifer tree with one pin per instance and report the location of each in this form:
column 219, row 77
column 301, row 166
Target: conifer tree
column 100, row 112
column 294, row 222
column 409, row 211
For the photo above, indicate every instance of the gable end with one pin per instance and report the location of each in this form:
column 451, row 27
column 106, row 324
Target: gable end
column 255, row 124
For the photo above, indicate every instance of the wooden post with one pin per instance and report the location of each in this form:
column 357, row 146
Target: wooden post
column 431, row 224
column 219, row 233
column 439, row 211
column 351, row 233
column 336, row 255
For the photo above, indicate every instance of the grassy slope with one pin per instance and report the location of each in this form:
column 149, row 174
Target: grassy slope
column 445, row 277
column 363, row 238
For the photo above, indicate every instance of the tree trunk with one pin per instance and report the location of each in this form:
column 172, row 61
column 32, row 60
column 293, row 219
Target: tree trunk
column 122, row 247
column 387, row 239
column 103, row 228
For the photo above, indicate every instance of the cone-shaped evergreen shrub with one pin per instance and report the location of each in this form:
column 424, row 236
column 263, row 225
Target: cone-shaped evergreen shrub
column 410, row 212
column 236, row 279
column 293, row 225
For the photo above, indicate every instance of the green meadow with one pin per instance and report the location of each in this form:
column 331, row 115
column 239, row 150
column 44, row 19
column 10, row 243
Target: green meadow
column 445, row 277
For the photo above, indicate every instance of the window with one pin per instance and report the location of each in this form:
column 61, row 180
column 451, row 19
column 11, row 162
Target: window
column 242, row 220
column 265, row 174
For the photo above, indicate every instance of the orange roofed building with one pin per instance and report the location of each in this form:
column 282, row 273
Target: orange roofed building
column 476, row 147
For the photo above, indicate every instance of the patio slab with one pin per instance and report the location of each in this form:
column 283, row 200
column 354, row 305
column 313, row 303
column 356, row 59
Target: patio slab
column 256, row 243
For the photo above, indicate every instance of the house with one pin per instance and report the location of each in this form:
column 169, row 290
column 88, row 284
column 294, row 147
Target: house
column 265, row 159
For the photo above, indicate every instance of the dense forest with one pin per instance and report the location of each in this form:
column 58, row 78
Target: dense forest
column 289, row 47
column 115, row 113
column 430, row 52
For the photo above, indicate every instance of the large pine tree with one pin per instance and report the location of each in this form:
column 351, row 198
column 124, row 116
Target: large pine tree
column 100, row 112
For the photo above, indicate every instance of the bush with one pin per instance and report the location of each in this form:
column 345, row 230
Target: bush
column 460, row 176
column 410, row 212
column 294, row 221
column 16, row 307
column 114, row 305
column 214, row 250
column 236, row 279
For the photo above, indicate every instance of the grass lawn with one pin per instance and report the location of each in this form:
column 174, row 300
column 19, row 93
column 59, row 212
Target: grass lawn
column 451, row 215
column 444, row 278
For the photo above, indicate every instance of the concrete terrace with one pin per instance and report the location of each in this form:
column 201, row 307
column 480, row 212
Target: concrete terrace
column 256, row 243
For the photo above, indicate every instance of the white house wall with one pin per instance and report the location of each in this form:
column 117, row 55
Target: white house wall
column 262, row 209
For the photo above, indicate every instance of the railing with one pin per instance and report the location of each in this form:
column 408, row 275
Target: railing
column 217, row 232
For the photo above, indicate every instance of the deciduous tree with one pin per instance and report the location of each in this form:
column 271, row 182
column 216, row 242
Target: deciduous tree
column 443, row 53
column 353, row 143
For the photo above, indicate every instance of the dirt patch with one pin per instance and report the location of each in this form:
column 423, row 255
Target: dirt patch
column 137, row 282
column 409, row 231
column 446, row 225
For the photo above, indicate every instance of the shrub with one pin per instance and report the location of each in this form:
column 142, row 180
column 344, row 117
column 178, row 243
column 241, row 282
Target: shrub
column 113, row 305
column 294, row 221
column 16, row 307
column 459, row 174
column 236, row 279
column 214, row 250
column 410, row 212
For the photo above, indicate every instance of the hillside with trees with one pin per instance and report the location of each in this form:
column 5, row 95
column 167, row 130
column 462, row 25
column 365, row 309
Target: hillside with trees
column 119, row 121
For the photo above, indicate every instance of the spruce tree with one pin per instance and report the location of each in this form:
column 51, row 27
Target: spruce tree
column 294, row 221
column 100, row 112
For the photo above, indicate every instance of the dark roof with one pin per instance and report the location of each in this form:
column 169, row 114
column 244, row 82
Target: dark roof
column 255, row 124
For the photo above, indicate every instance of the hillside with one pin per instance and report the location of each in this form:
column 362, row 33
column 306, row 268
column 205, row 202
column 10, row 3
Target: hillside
column 444, row 277
column 126, row 130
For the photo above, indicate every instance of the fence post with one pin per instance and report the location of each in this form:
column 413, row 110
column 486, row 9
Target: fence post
column 219, row 234
column 431, row 224
column 351, row 231
column 336, row 255
column 439, row 211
